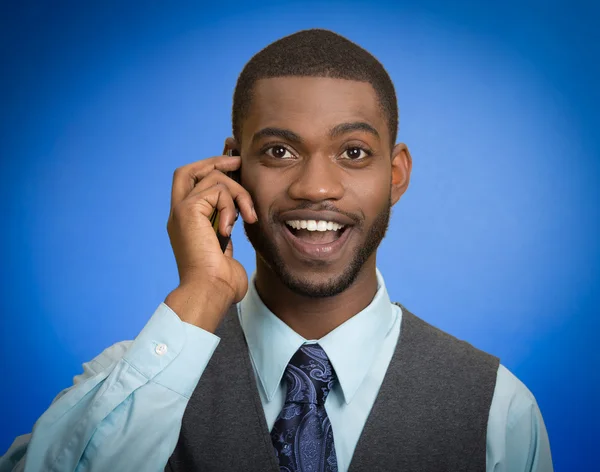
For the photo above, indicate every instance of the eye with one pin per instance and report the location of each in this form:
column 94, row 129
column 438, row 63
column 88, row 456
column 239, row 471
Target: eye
column 279, row 152
column 355, row 153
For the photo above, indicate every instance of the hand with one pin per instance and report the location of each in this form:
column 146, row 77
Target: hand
column 209, row 280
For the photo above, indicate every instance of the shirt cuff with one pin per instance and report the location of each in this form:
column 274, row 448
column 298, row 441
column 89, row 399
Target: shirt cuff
column 171, row 352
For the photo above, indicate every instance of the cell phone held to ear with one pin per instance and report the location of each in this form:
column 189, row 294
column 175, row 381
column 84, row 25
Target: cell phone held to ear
column 214, row 217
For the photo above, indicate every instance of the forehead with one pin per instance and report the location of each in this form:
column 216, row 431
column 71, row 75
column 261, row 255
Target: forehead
column 308, row 105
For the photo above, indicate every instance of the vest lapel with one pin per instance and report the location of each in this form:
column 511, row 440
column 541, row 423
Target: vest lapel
column 224, row 425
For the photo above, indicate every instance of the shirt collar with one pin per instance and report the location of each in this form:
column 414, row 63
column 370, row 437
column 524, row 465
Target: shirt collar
column 351, row 347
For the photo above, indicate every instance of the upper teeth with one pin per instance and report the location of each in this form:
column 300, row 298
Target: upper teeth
column 314, row 225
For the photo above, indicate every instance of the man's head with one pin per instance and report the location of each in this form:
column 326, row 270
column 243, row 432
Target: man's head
column 315, row 120
column 315, row 53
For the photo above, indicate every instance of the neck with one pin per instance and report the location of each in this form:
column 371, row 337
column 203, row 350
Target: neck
column 312, row 318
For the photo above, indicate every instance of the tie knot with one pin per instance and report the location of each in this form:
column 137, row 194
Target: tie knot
column 309, row 376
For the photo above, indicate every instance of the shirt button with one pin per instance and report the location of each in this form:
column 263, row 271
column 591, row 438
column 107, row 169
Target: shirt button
column 160, row 349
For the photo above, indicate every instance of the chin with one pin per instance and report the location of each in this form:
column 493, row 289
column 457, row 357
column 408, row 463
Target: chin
column 310, row 276
column 319, row 281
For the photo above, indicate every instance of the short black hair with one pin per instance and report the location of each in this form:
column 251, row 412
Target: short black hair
column 315, row 53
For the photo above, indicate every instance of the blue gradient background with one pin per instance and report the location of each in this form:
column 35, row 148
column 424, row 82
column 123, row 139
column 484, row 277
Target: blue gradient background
column 496, row 240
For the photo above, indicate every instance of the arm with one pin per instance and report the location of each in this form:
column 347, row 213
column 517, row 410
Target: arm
column 528, row 428
column 14, row 459
column 127, row 414
column 517, row 440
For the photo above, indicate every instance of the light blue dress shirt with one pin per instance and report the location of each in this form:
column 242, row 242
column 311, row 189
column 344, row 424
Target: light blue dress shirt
column 124, row 411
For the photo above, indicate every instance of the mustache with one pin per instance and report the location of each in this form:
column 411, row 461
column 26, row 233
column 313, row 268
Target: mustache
column 358, row 218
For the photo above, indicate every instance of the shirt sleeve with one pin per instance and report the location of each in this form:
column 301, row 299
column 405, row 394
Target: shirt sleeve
column 14, row 459
column 517, row 440
column 124, row 411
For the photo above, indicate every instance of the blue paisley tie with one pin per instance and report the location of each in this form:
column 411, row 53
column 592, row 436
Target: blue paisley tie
column 302, row 434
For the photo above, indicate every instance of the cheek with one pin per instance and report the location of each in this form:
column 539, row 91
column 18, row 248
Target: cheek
column 370, row 195
column 263, row 190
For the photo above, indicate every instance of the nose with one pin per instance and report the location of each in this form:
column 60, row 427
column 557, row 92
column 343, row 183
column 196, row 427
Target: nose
column 317, row 178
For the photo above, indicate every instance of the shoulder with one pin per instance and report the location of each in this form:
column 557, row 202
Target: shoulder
column 512, row 399
column 516, row 433
column 441, row 344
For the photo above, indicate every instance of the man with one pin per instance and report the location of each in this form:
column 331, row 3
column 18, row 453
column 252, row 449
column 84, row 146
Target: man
column 309, row 366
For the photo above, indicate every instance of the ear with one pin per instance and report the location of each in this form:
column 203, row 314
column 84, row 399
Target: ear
column 401, row 169
column 232, row 145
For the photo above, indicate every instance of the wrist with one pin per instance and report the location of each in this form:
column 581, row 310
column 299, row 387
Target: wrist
column 201, row 305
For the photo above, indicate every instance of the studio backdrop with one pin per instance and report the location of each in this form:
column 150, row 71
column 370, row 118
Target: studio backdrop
column 496, row 240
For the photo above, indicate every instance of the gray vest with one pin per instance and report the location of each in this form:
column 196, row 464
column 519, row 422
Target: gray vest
column 430, row 414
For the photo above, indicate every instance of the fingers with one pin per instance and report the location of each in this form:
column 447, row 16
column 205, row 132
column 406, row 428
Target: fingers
column 239, row 194
column 215, row 198
column 185, row 178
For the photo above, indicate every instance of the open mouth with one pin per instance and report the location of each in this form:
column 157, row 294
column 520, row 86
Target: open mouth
column 316, row 232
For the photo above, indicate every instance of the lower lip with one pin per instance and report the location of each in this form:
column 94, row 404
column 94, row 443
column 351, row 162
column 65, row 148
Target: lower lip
column 317, row 251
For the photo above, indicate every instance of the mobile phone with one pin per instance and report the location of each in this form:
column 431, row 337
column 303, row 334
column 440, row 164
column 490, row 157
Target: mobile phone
column 214, row 217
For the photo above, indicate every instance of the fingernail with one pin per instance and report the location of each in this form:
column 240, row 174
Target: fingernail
column 229, row 229
column 255, row 215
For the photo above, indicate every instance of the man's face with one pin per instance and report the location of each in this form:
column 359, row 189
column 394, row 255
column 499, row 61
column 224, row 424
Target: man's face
column 316, row 159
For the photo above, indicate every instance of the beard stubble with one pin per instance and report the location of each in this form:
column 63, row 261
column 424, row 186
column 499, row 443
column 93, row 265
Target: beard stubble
column 268, row 252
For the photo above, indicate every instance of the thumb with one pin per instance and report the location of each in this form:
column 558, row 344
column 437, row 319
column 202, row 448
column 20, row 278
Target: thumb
column 241, row 278
column 229, row 249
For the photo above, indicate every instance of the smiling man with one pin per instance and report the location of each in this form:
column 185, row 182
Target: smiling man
column 307, row 366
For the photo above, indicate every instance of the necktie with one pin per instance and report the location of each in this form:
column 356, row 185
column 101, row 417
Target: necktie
column 302, row 435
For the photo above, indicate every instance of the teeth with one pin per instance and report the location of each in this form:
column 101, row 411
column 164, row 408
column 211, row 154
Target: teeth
column 313, row 225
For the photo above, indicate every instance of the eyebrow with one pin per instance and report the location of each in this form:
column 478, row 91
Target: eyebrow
column 277, row 133
column 336, row 131
column 344, row 128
